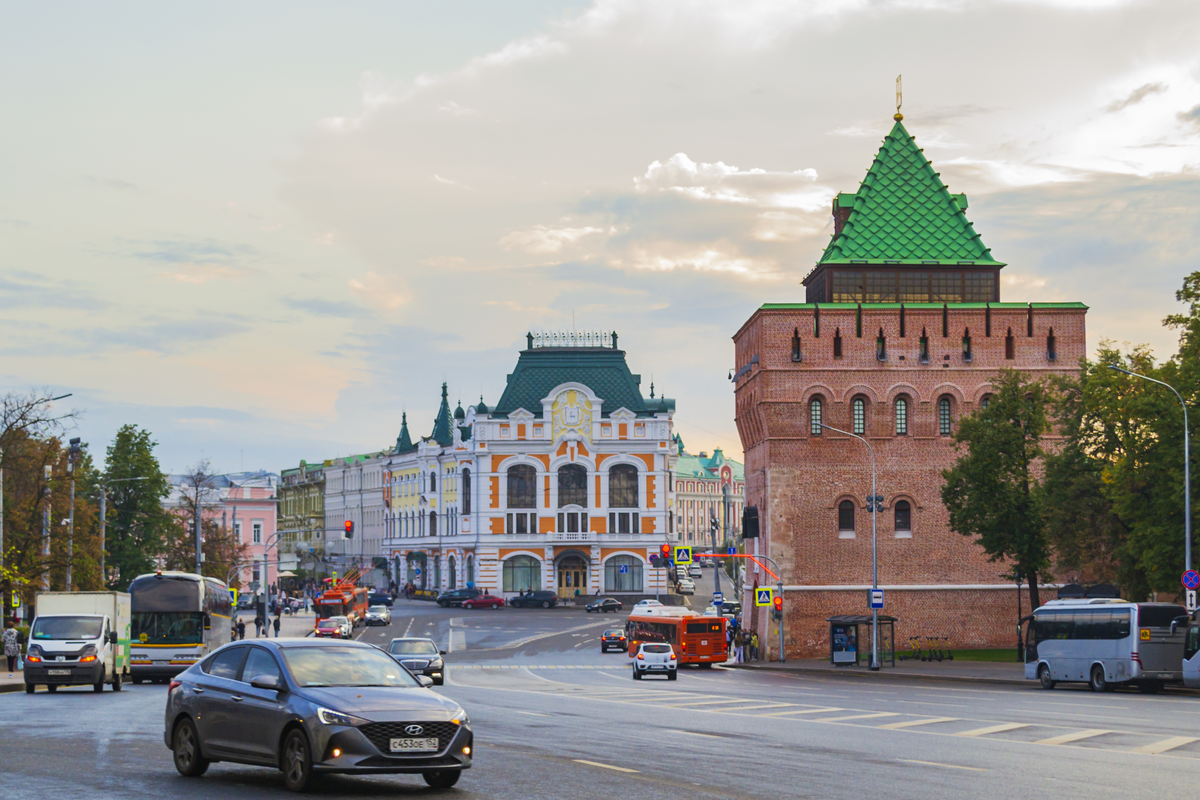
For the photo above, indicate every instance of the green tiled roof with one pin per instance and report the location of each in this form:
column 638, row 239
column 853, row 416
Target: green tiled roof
column 601, row 369
column 902, row 213
column 404, row 442
column 709, row 467
column 442, row 434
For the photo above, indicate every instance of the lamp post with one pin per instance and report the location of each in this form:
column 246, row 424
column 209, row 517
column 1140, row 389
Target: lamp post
column 874, row 505
column 73, row 455
column 1187, row 472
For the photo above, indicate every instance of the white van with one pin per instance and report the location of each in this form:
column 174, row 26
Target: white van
column 79, row 638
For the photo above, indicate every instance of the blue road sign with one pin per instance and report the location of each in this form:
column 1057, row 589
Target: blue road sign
column 417, row 570
column 733, row 551
column 623, row 568
column 1191, row 579
column 718, row 598
column 877, row 598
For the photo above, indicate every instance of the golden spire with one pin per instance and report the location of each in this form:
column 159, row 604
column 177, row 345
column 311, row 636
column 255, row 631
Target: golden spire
column 899, row 100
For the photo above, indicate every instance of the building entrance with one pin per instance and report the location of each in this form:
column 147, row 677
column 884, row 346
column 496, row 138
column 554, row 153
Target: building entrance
column 572, row 575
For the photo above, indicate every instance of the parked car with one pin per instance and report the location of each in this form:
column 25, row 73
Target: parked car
column 614, row 638
column 380, row 599
column 644, row 604
column 534, row 599
column 685, row 586
column 313, row 707
column 420, row 657
column 379, row 615
column 655, row 658
column 330, row 628
column 455, row 597
column 606, row 604
column 483, row 600
column 694, row 571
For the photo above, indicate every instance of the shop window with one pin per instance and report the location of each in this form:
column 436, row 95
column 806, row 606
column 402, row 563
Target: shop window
column 522, row 574
column 623, row 574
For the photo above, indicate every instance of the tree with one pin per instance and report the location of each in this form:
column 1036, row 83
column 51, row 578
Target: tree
column 138, row 526
column 992, row 492
column 221, row 548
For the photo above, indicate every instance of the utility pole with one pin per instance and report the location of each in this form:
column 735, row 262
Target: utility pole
column 72, row 457
column 46, row 500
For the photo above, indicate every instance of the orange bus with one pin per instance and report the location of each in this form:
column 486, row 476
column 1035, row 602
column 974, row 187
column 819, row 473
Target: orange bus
column 697, row 639
column 342, row 601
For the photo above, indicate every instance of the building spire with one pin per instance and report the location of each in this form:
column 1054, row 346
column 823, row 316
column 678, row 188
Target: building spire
column 442, row 434
column 404, row 440
column 899, row 99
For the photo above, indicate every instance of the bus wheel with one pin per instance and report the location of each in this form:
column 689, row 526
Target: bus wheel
column 1098, row 683
column 1044, row 677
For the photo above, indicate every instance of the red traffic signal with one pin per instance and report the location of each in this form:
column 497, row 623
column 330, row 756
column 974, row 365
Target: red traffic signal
column 778, row 603
column 665, row 550
column 349, row 529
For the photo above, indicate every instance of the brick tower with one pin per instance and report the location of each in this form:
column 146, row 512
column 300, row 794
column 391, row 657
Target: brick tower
column 902, row 333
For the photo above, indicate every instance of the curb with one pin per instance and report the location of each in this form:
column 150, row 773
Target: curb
column 882, row 675
column 11, row 687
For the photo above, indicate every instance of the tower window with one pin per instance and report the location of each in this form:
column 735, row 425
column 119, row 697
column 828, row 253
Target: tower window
column 860, row 415
column 796, row 345
column 903, row 512
column 814, row 416
column 924, row 351
column 1009, row 346
column 901, row 416
column 837, row 343
column 944, row 416
column 846, row 516
column 967, row 345
column 1051, row 346
column 881, row 346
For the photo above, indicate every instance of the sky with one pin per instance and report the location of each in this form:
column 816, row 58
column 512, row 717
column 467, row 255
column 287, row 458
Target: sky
column 263, row 231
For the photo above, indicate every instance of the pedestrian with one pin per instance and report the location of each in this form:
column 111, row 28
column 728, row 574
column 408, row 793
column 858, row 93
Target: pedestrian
column 739, row 643
column 241, row 629
column 12, row 646
column 258, row 626
column 754, row 646
column 276, row 627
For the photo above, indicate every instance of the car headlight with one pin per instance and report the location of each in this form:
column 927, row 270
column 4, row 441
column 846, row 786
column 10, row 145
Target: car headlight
column 330, row 717
column 461, row 718
column 437, row 663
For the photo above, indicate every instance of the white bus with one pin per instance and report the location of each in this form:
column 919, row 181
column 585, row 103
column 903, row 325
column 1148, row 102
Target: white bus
column 1191, row 653
column 178, row 619
column 1105, row 642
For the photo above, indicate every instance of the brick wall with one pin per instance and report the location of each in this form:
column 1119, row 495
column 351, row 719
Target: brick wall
column 797, row 479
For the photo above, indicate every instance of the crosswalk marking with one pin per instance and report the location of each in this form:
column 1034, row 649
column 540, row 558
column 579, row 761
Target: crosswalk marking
column 1007, row 726
column 754, row 708
column 860, row 716
column 690, row 703
column 912, row 723
column 1164, row 745
column 829, row 710
column 1074, row 736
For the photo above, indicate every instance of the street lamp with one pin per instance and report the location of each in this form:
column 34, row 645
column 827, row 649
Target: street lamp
column 874, row 505
column 1187, row 473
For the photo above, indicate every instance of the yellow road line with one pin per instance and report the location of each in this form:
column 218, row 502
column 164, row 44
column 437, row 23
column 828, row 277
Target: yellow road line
column 912, row 723
column 1007, row 726
column 860, row 716
column 1075, row 736
column 603, row 766
column 1164, row 745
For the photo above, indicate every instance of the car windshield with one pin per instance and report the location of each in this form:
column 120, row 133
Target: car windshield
column 344, row 666
column 328, row 623
column 614, row 633
column 656, row 648
column 413, row 647
column 67, row 627
column 342, row 620
column 649, row 603
column 378, row 609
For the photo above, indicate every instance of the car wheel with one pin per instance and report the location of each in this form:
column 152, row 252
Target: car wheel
column 185, row 749
column 117, row 682
column 296, row 762
column 495, row 605
column 29, row 688
column 98, row 686
column 1044, row 676
column 672, row 676
column 51, row 688
column 545, row 604
column 439, row 681
column 137, row 680
column 637, row 676
column 442, row 778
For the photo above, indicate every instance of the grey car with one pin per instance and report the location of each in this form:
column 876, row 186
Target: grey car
column 311, row 707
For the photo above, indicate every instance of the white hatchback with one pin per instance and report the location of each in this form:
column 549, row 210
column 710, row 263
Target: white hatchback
column 646, row 604
column 655, row 658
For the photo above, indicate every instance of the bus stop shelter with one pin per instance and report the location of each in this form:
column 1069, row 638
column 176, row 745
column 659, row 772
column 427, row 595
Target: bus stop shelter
column 847, row 648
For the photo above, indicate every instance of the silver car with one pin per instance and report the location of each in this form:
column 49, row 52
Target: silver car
column 314, row 706
column 379, row 615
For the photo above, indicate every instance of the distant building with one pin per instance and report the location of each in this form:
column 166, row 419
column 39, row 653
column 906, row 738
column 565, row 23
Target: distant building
column 699, row 497
column 301, row 515
column 354, row 492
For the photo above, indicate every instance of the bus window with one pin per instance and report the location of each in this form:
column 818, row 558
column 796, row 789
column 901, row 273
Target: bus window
column 1192, row 645
column 1119, row 625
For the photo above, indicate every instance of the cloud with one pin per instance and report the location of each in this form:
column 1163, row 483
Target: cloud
column 189, row 251
column 542, row 240
column 728, row 184
column 111, row 183
column 1136, row 96
column 1191, row 118
column 380, row 292
column 321, row 308
column 23, row 290
column 204, row 273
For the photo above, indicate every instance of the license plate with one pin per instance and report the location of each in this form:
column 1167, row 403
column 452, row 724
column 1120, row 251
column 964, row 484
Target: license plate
column 58, row 672
column 424, row 745
column 161, row 663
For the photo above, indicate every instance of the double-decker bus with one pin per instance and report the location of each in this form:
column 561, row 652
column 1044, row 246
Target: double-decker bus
column 697, row 639
column 178, row 619
column 342, row 600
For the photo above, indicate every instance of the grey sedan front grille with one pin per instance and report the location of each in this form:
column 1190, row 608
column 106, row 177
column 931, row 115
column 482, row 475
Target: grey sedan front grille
column 382, row 733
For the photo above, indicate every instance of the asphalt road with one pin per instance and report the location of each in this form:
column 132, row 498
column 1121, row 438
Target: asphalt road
column 555, row 718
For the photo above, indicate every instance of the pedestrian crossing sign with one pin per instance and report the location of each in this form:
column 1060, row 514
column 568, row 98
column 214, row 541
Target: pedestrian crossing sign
column 764, row 596
column 233, row 593
column 683, row 555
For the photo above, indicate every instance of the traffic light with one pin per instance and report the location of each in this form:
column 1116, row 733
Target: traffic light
column 349, row 529
column 750, row 522
column 778, row 612
column 664, row 551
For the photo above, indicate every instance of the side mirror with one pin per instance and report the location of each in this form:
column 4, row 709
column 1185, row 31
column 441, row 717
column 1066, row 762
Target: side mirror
column 266, row 682
column 441, row 652
column 425, row 680
column 207, row 622
column 112, row 637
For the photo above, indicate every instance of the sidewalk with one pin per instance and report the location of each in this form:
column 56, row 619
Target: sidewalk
column 964, row 671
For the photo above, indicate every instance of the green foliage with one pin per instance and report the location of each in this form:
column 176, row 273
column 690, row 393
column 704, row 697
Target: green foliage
column 992, row 492
column 138, row 525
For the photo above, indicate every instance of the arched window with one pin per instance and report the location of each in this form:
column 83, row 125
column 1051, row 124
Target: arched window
column 1051, row 346
column 814, row 416
column 629, row 580
column 985, row 401
column 433, row 481
column 944, row 416
column 859, row 407
column 572, row 485
column 433, row 523
column 837, row 343
column 623, row 486
column 469, row 577
column 903, row 511
column 522, row 486
column 452, row 572
column 1009, row 346
column 881, row 346
column 902, row 416
column 466, row 491
column 846, row 516
column 522, row 574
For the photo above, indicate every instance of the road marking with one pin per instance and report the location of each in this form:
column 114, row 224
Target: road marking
column 674, row 704
column 1075, row 736
column 859, row 716
column 1164, row 745
column 754, row 708
column 694, row 733
column 947, row 766
column 1007, row 726
column 912, row 723
column 533, row 714
column 409, row 628
column 603, row 766
column 803, row 711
